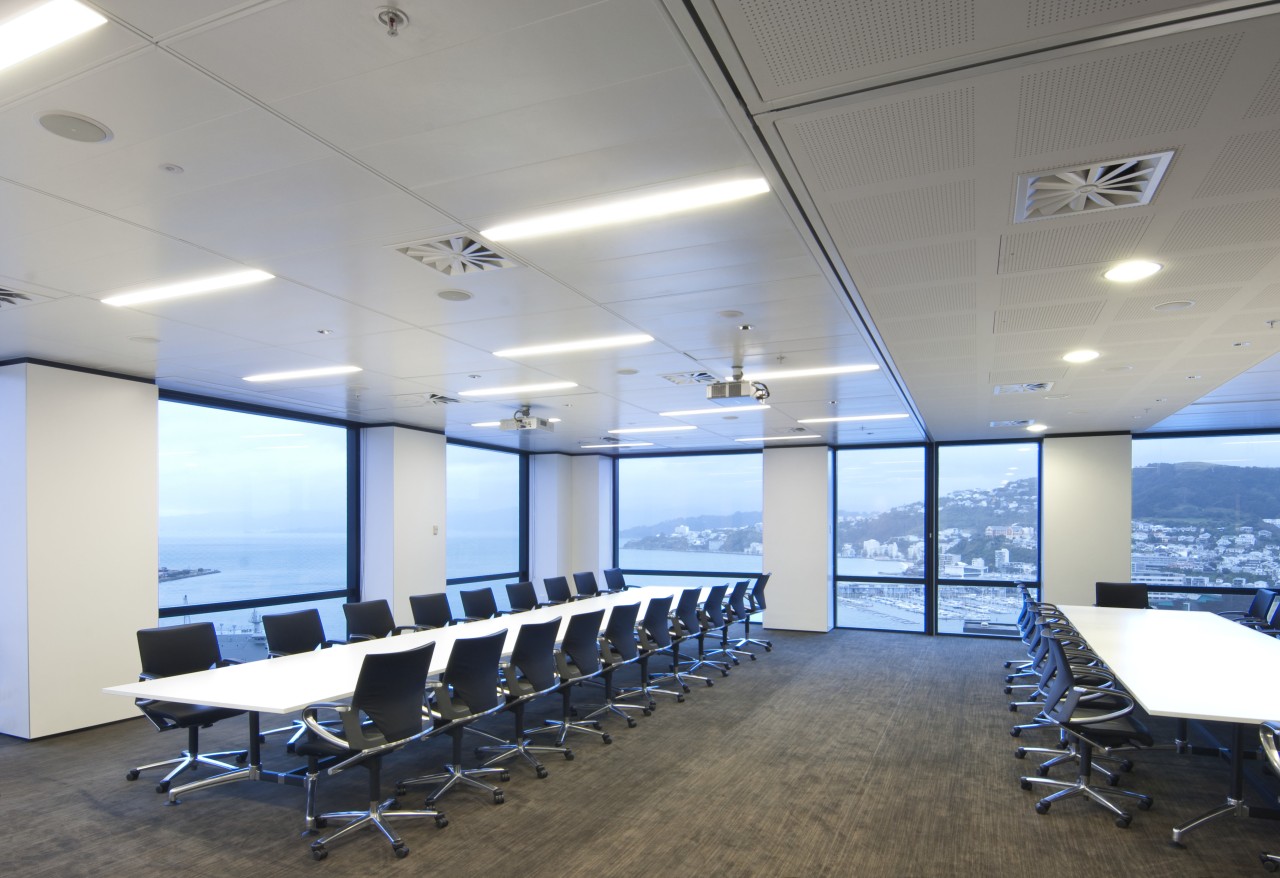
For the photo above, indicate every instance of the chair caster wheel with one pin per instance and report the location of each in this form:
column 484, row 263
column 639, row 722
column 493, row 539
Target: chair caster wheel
column 1020, row 753
column 684, row 686
column 1042, row 807
column 132, row 775
column 1177, row 844
column 541, row 771
column 606, row 739
column 400, row 789
column 1024, row 783
column 631, row 724
column 679, row 697
column 504, row 776
column 291, row 748
column 769, row 648
column 1113, row 780
column 1013, row 708
column 1041, row 771
column 568, row 756
column 1268, row 864
column 321, row 823
column 318, row 852
column 723, row 674
column 1126, row 765
column 499, row 798
column 242, row 758
column 1145, row 804
column 709, row 683
column 401, row 850
column 1008, row 690
column 753, row 656
column 648, row 711
column 162, row 787
column 1124, row 821
column 441, row 821
column 1015, row 731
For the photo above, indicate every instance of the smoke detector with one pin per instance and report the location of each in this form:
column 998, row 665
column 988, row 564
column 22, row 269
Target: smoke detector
column 1105, row 185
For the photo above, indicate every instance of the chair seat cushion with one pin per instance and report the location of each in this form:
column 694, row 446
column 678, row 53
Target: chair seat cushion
column 186, row 715
column 313, row 746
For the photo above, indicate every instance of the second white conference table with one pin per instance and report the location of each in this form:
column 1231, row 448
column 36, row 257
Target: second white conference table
column 1191, row 665
column 289, row 683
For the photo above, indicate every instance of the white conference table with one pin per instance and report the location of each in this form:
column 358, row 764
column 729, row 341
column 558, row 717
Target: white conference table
column 290, row 683
column 1191, row 665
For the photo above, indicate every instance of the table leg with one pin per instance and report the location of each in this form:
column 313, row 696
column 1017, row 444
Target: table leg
column 252, row 771
column 1234, row 805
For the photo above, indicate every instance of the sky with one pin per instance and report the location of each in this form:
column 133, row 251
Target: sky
column 1226, row 450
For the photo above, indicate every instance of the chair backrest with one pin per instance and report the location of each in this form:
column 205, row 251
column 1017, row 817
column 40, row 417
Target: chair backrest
column 581, row 643
column 522, row 596
column 1264, row 602
column 586, row 585
column 713, row 606
column 1132, row 595
column 614, row 580
column 557, row 589
column 656, row 623
column 738, row 598
column 756, row 597
column 292, row 633
column 390, row 690
column 472, row 671
column 534, row 655
column 687, row 610
column 479, row 603
column 178, row 649
column 368, row 618
column 621, row 632
column 431, row 610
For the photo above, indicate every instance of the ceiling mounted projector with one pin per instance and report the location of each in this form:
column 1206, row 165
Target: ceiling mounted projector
column 522, row 420
column 733, row 392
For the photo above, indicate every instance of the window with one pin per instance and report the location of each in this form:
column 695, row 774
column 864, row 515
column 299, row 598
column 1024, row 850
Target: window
column 880, row 538
column 253, row 518
column 691, row 513
column 1205, row 518
column 485, row 512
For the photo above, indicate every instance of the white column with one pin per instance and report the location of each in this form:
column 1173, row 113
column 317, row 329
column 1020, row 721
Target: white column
column 550, row 503
column 78, row 544
column 1086, row 515
column 591, row 514
column 402, row 515
column 798, row 521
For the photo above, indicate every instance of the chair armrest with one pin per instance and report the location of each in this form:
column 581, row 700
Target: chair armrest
column 311, row 719
column 402, row 628
column 1078, row 693
column 227, row 662
column 1268, row 732
column 357, row 638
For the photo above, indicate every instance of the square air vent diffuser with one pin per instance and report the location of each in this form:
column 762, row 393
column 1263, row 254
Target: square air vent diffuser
column 1106, row 185
column 453, row 255
column 691, row 378
column 1030, row 387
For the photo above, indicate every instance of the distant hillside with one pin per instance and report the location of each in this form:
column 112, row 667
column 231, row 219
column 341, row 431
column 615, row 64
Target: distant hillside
column 1206, row 495
column 696, row 522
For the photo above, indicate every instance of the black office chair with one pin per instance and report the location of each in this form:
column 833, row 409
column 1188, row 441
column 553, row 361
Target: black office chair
column 585, row 583
column 577, row 660
column 1261, row 611
column 290, row 634
column 1268, row 732
column 466, row 691
column 479, row 603
column 529, row 674
column 654, row 633
column 557, row 588
column 735, row 610
column 711, row 618
column 431, row 610
column 614, row 580
column 384, row 714
column 168, row 652
column 686, row 625
column 371, row 620
column 1127, row 595
column 755, row 604
column 1074, row 710
column 522, row 596
column 619, row 648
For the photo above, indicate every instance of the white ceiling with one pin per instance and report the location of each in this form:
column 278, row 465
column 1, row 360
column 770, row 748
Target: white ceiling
column 313, row 146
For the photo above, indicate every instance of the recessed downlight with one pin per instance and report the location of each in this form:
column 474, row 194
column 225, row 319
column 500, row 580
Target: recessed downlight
column 1037, row 428
column 1177, row 305
column 1134, row 269
column 454, row 295
column 1081, row 356
column 73, row 126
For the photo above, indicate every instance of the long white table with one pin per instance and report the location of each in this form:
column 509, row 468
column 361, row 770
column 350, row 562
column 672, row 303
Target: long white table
column 1191, row 665
column 290, row 683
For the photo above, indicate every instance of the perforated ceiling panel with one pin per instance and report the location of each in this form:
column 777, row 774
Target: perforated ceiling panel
column 1206, row 302
column 1022, row 290
column 1135, row 93
column 926, row 302
column 918, row 265
column 1250, row 222
column 1267, row 101
column 1248, row 163
column 894, row 217
column 1051, row 317
column 889, row 141
column 1055, row 246
column 1043, row 12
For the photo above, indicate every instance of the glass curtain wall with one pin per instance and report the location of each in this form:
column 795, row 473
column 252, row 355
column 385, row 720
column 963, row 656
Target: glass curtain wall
column 1206, row 519
column 485, row 519
column 253, row 519
column 698, row 514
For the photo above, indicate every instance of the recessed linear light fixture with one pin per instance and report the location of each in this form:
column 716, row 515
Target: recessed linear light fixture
column 499, row 423
column 749, row 405
column 303, row 373
column 632, row 430
column 516, row 389
column 776, row 438
column 628, row 210
column 850, row 418
column 809, row 373
column 43, row 28
column 620, row 445
column 196, row 287
column 1134, row 269
column 586, row 344
column 1037, row 428
column 1081, row 356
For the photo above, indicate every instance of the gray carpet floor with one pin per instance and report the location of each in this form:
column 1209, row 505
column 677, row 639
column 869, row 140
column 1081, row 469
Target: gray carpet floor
column 845, row 754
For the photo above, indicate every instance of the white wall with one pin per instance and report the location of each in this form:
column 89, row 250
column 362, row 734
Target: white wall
column 402, row 515
column 80, row 482
column 798, row 522
column 1086, row 515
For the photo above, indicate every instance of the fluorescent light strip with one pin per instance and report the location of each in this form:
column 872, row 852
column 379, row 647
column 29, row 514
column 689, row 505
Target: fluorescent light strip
column 620, row 445
column 190, row 288
column 720, row 409
column 43, row 28
column 850, row 418
column 589, row 344
column 516, row 389
column 303, row 373
column 652, row 430
column 777, row 438
column 628, row 210
column 809, row 373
